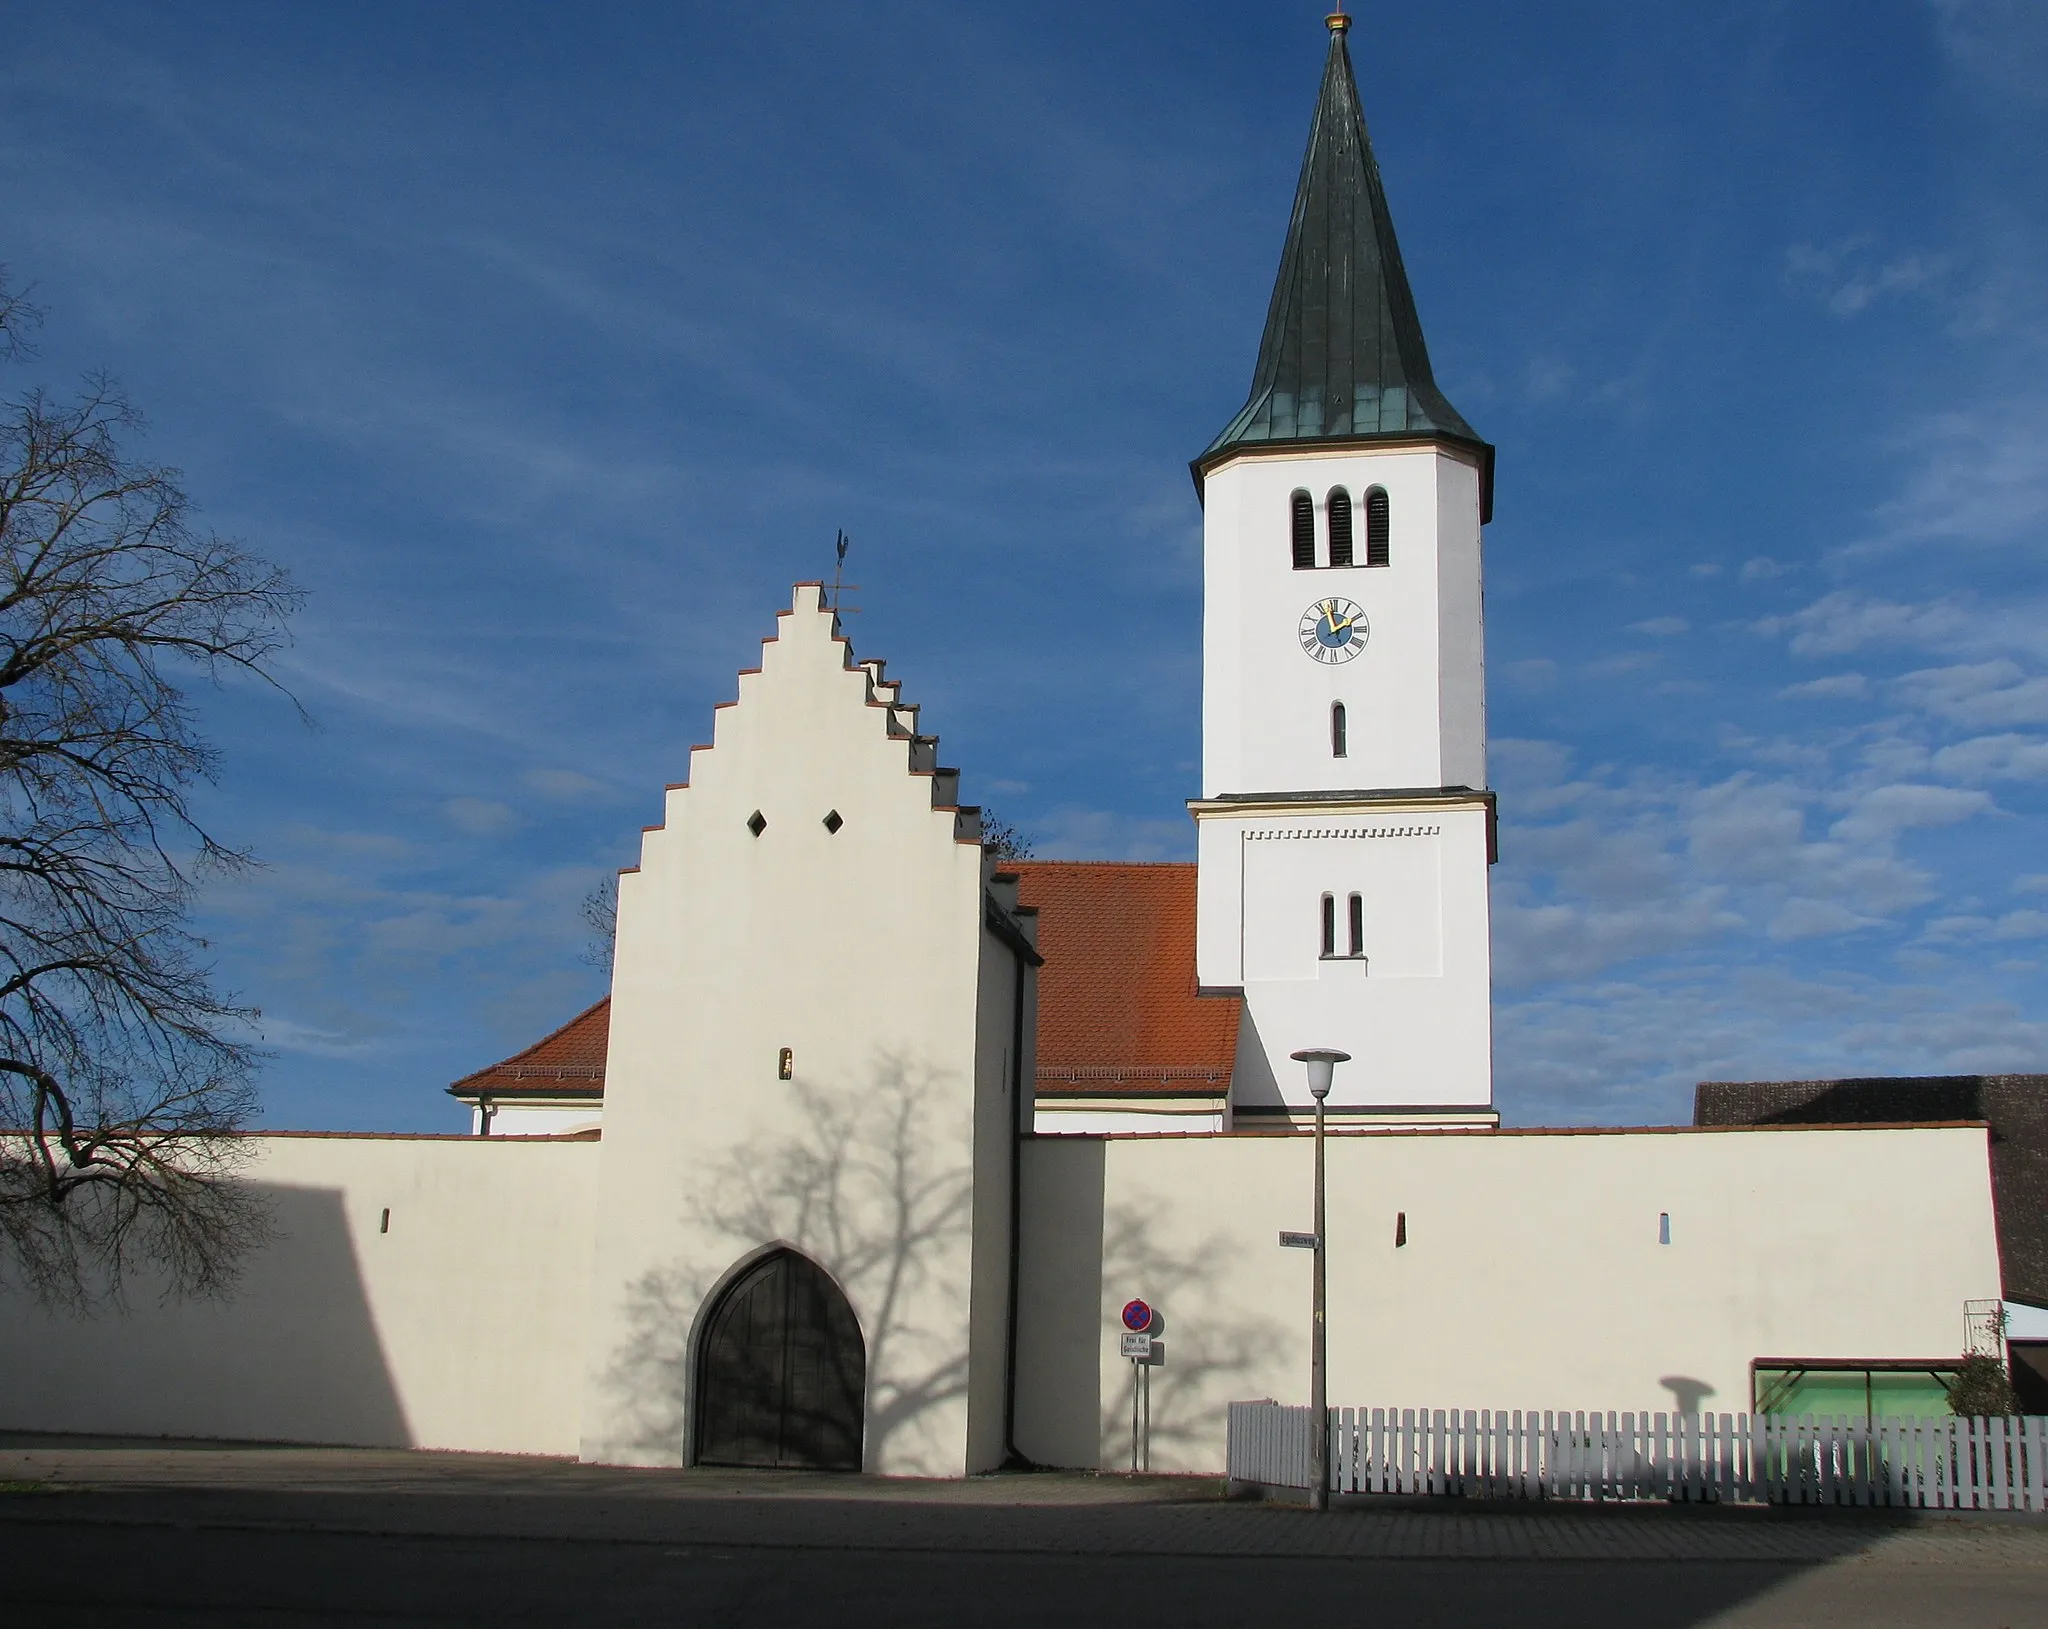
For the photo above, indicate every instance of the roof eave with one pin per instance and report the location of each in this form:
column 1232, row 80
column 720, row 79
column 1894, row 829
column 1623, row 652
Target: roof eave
column 1217, row 456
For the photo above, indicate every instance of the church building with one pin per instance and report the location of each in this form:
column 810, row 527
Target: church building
column 877, row 1130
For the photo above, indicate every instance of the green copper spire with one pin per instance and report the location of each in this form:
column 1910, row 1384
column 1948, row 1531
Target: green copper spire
column 1343, row 357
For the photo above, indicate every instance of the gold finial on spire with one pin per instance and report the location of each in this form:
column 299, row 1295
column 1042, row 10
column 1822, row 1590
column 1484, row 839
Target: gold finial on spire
column 1338, row 21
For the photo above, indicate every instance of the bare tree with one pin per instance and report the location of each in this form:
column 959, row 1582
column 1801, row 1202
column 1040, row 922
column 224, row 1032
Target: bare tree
column 601, row 916
column 1002, row 839
column 123, row 1074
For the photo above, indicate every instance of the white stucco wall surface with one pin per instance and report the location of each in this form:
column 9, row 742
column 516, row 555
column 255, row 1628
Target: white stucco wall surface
column 459, row 1327
column 1532, row 1276
column 1414, row 696
column 861, row 946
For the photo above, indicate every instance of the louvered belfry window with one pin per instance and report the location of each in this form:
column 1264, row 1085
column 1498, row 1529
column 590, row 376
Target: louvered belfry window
column 1340, row 527
column 1377, row 549
column 1303, row 509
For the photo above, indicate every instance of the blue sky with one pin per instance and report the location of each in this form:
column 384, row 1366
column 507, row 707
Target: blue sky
column 548, row 345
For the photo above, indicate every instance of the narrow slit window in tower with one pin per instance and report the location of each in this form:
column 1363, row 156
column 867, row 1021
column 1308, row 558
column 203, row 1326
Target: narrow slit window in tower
column 1338, row 743
column 1340, row 526
column 1329, row 924
column 1303, row 509
column 1357, row 925
column 1377, row 548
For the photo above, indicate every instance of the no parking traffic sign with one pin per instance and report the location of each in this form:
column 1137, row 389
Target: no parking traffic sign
column 1137, row 1316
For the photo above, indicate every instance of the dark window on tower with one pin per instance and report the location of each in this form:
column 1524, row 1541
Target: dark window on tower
column 1337, row 742
column 1357, row 925
column 1304, row 512
column 1329, row 925
column 1340, row 527
column 1377, row 551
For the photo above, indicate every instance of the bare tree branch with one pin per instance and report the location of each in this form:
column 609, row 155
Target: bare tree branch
column 124, row 1076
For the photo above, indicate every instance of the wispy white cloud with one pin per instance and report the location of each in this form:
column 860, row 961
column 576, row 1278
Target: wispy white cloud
column 1848, row 278
column 1835, row 687
column 1072, row 832
column 1979, row 695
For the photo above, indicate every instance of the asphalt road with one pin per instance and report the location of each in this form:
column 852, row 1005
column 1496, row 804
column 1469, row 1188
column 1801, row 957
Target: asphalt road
column 290, row 1537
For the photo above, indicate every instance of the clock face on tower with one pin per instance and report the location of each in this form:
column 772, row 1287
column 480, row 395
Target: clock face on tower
column 1332, row 631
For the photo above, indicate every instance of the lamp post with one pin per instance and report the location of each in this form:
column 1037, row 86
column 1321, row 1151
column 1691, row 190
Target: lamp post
column 1322, row 1064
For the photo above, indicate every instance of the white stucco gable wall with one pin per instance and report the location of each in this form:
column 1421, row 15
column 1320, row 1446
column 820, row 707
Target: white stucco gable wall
column 861, row 950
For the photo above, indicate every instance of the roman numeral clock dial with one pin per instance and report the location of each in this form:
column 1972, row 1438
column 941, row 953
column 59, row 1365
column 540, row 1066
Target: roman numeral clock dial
column 1332, row 631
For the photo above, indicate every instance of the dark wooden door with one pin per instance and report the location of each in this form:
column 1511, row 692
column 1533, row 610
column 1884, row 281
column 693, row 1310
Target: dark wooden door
column 781, row 1371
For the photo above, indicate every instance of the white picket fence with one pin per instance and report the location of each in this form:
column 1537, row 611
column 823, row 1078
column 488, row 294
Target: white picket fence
column 1945, row 1463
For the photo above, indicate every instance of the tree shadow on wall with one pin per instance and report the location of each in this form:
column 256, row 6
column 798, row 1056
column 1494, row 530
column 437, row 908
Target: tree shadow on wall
column 861, row 1185
column 1210, row 1356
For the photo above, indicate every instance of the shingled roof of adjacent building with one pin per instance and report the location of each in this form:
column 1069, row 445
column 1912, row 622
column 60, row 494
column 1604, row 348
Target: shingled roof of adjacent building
column 1117, row 1009
column 569, row 1062
column 1343, row 358
column 2014, row 1106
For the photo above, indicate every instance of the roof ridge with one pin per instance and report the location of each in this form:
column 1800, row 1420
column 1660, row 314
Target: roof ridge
column 1124, row 865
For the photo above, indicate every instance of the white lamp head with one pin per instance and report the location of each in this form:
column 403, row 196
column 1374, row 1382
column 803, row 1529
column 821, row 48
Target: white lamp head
column 1322, row 1064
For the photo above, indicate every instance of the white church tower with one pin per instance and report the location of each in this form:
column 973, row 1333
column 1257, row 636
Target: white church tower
column 1344, row 826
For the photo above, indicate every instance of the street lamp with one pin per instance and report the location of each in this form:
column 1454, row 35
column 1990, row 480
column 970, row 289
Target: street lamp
column 1322, row 1064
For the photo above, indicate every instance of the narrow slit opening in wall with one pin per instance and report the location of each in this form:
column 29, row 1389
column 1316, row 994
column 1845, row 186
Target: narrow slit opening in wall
column 1400, row 1228
column 1302, row 519
column 1340, row 526
column 384, row 1222
column 1329, row 924
column 1378, row 545
column 1357, row 924
column 1338, row 738
column 1664, row 1227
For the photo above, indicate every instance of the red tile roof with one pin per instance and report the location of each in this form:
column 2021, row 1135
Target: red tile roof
column 1117, row 1009
column 568, row 1062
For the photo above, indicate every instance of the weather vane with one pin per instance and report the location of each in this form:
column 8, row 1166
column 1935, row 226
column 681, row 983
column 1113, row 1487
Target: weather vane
column 839, row 583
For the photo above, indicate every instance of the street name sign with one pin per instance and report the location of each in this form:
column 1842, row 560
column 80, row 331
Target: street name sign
column 1298, row 1241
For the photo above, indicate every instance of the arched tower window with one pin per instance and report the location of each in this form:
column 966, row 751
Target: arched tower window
column 1377, row 551
column 1329, row 924
column 1340, row 527
column 1337, row 741
column 1357, row 924
column 1303, row 509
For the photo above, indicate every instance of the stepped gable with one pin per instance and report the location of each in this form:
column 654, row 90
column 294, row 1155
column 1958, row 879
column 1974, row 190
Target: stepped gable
column 569, row 1062
column 2014, row 1106
column 900, row 719
column 1117, row 1010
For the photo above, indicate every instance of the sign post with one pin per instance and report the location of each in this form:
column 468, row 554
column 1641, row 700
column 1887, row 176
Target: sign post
column 1139, row 1320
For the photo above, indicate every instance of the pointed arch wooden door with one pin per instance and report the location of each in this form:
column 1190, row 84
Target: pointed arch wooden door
column 781, row 1371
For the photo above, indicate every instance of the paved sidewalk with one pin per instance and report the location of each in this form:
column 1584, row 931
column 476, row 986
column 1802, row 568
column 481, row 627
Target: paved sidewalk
column 502, row 1495
column 127, row 1533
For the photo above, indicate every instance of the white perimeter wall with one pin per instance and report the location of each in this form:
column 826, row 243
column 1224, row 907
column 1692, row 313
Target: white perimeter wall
column 1532, row 1276
column 462, row 1327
